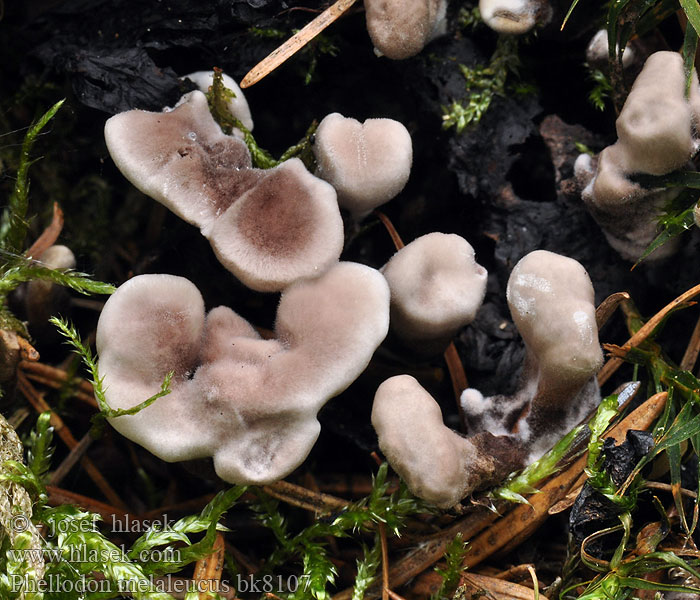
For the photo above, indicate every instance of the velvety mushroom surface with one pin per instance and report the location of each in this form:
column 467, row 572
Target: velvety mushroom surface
column 182, row 159
column 514, row 17
column 367, row 163
column 656, row 135
column 401, row 28
column 438, row 465
column 551, row 300
column 249, row 403
column 436, row 288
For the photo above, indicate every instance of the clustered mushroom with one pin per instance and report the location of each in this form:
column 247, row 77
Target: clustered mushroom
column 248, row 402
column 268, row 227
column 656, row 135
column 551, row 301
column 251, row 403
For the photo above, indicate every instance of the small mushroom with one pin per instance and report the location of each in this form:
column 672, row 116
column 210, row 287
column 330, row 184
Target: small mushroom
column 656, row 135
column 238, row 105
column 438, row 465
column 268, row 227
column 551, row 300
column 248, row 402
column 436, row 289
column 401, row 28
column 514, row 17
column 367, row 163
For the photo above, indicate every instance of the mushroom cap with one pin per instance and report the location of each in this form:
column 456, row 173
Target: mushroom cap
column 597, row 51
column 248, row 402
column 367, row 163
column 657, row 133
column 654, row 128
column 432, row 459
column 436, row 287
column 269, row 228
column 551, row 300
column 238, row 105
column 509, row 16
column 182, row 159
column 401, row 28
column 287, row 227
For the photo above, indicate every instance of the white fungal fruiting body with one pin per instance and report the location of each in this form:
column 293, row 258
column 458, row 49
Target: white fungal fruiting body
column 431, row 458
column 597, row 51
column 552, row 303
column 401, row 28
column 238, row 105
column 656, row 135
column 367, row 163
column 436, row 288
column 514, row 17
column 248, row 402
column 551, row 300
column 268, row 227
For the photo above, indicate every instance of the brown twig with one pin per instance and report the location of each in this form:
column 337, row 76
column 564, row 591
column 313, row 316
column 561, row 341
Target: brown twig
column 57, row 379
column 385, row 561
column 457, row 375
column 49, row 236
column 58, row 496
column 27, row 351
column 296, row 42
column 614, row 363
column 73, row 457
column 296, row 495
column 608, row 306
column 37, row 401
column 691, row 352
column 666, row 487
column 389, row 226
column 207, row 570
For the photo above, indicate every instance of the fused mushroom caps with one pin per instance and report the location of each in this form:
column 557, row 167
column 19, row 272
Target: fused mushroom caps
column 436, row 287
column 656, row 135
column 248, row 402
column 401, row 28
column 238, row 105
column 551, row 300
column 514, row 16
column 367, row 163
column 182, row 159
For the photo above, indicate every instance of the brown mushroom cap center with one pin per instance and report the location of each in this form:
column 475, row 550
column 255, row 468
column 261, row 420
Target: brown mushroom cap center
column 276, row 217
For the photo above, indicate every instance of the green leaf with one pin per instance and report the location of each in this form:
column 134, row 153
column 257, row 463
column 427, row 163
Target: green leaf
column 692, row 11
